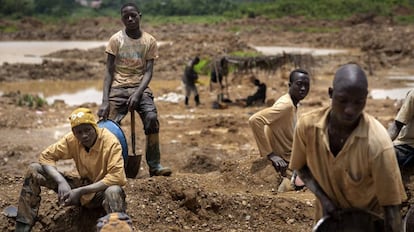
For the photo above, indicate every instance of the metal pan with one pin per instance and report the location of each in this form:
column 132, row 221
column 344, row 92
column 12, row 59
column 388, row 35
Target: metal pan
column 351, row 220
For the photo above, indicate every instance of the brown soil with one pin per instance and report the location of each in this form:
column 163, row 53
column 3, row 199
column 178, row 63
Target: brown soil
column 219, row 182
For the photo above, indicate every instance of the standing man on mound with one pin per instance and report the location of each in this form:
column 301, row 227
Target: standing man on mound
column 130, row 60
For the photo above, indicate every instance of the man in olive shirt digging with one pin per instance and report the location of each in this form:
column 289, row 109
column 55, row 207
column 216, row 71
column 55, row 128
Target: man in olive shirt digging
column 345, row 156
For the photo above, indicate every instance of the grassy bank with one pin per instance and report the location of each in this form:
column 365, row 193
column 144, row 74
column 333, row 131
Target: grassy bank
column 213, row 11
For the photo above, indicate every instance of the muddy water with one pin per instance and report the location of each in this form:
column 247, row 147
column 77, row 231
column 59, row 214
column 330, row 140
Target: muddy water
column 277, row 50
column 406, row 80
column 71, row 92
column 32, row 51
column 79, row 92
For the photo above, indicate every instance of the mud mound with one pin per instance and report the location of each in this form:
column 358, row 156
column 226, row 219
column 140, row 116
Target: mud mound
column 201, row 164
column 51, row 70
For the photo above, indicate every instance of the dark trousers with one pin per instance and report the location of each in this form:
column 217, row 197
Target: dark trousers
column 149, row 117
column 405, row 154
column 112, row 199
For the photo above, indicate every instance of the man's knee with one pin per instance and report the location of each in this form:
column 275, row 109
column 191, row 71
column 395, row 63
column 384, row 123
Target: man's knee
column 151, row 123
column 114, row 199
column 34, row 169
column 113, row 190
column 405, row 155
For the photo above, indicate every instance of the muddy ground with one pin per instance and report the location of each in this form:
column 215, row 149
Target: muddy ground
column 219, row 182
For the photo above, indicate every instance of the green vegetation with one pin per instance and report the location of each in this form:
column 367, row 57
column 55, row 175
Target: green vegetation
column 203, row 67
column 190, row 19
column 245, row 54
column 31, row 101
column 211, row 11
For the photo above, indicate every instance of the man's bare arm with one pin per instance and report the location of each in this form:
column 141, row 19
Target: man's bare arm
column 307, row 178
column 109, row 76
column 395, row 129
column 392, row 218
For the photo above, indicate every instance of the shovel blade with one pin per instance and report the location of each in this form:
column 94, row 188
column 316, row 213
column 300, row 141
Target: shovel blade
column 133, row 166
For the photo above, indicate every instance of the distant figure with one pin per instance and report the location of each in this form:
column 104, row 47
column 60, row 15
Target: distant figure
column 401, row 132
column 219, row 70
column 345, row 156
column 189, row 80
column 131, row 55
column 259, row 97
column 97, row 155
column 273, row 127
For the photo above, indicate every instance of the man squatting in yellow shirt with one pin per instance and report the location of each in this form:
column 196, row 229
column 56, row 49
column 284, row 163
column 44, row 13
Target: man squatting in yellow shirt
column 345, row 156
column 273, row 127
column 97, row 154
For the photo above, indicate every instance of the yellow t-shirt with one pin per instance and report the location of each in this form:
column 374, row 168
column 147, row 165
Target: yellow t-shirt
column 364, row 174
column 131, row 57
column 104, row 161
column 273, row 127
column 406, row 116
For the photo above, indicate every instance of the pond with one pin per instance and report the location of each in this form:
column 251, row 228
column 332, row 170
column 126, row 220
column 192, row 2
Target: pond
column 278, row 50
column 79, row 92
column 32, row 51
column 71, row 92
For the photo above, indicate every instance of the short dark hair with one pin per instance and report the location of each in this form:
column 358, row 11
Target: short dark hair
column 298, row 70
column 131, row 4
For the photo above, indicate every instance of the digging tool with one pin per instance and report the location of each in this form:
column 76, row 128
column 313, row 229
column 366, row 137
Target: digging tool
column 134, row 160
column 354, row 220
column 408, row 223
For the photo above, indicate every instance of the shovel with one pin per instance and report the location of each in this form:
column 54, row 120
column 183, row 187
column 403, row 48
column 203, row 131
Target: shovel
column 134, row 160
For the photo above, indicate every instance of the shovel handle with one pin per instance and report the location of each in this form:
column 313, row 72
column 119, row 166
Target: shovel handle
column 133, row 131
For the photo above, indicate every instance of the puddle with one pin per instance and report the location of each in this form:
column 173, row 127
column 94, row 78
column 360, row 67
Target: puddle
column 395, row 93
column 398, row 93
column 32, row 51
column 90, row 95
column 278, row 50
column 71, row 92
column 74, row 93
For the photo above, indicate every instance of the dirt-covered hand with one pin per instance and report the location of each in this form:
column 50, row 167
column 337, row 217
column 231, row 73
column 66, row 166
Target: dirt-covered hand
column 103, row 111
column 133, row 101
column 329, row 208
column 278, row 163
column 72, row 197
column 63, row 189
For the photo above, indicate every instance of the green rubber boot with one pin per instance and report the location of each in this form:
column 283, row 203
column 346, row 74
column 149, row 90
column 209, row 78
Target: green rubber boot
column 22, row 227
column 153, row 155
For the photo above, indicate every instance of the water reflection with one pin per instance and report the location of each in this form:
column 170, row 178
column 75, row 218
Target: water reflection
column 71, row 92
column 278, row 50
column 395, row 93
column 90, row 95
column 32, row 51
column 398, row 93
